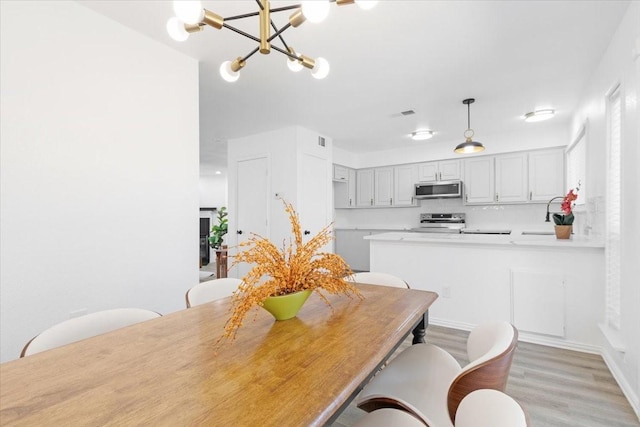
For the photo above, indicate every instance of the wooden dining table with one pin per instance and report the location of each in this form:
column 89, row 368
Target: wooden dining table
column 175, row 371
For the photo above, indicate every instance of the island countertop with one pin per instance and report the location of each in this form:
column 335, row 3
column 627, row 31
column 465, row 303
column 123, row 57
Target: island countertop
column 517, row 238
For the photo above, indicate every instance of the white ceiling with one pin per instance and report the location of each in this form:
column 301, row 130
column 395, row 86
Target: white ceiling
column 427, row 56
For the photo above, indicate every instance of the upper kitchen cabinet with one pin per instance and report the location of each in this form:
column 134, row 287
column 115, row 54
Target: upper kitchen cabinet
column 344, row 187
column 546, row 174
column 511, row 178
column 340, row 173
column 479, row 183
column 364, row 187
column 523, row 177
column 383, row 187
column 447, row 170
column 404, row 179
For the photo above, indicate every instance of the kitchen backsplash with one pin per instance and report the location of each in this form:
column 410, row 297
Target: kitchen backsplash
column 589, row 219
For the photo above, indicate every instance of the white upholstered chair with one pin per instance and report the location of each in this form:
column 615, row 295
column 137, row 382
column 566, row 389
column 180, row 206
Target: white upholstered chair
column 89, row 325
column 428, row 382
column 211, row 290
column 488, row 407
column 376, row 278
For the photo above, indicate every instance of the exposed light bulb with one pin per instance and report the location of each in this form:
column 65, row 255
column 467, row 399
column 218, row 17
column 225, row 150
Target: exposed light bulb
column 294, row 65
column 227, row 73
column 175, row 28
column 321, row 68
column 189, row 11
column 315, row 10
column 366, row 4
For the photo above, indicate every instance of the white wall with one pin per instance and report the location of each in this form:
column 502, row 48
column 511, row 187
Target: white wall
column 213, row 191
column 532, row 137
column 99, row 169
column 619, row 65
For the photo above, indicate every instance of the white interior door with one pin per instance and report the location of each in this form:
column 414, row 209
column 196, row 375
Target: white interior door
column 252, row 206
column 314, row 195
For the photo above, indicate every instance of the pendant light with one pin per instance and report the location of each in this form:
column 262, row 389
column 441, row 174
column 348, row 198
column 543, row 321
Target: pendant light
column 469, row 146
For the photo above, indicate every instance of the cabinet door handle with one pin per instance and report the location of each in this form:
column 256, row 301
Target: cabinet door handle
column 349, row 202
column 440, row 177
column 530, row 195
column 411, row 199
column 496, row 197
column 371, row 202
column 391, row 201
column 435, row 176
column 466, row 197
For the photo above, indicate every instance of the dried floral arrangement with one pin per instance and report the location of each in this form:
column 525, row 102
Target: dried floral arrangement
column 296, row 267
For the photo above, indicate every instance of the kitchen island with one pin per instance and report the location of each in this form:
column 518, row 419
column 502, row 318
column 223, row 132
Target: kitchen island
column 551, row 290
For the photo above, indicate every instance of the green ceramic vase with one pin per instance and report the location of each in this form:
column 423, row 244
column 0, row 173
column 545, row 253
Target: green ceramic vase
column 285, row 307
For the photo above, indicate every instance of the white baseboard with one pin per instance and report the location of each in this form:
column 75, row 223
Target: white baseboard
column 526, row 337
column 627, row 390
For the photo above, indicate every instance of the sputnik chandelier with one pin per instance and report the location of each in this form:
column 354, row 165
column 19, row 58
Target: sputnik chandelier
column 191, row 17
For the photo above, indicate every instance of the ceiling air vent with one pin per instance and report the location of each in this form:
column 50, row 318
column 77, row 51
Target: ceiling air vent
column 321, row 141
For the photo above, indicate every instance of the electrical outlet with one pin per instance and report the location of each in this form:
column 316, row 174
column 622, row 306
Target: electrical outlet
column 77, row 313
column 446, row 291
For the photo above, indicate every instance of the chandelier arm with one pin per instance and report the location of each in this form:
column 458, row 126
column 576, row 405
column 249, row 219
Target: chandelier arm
column 285, row 8
column 260, row 4
column 250, row 54
column 278, row 32
column 247, row 35
column 246, row 15
column 285, row 52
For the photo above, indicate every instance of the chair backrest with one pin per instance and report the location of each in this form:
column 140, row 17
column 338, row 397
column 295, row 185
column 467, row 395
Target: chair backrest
column 376, row 278
column 86, row 326
column 488, row 407
column 211, row 290
column 490, row 347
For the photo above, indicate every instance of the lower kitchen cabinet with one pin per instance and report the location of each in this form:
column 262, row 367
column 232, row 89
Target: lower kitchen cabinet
column 353, row 248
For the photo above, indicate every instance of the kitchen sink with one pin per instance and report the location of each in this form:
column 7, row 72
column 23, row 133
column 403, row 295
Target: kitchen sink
column 537, row 233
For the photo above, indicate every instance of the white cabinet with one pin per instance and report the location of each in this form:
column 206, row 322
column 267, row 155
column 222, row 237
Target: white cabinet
column 524, row 177
column 404, row 179
column 340, row 173
column 511, row 178
column 364, row 187
column 344, row 191
column 383, row 187
column 546, row 175
column 479, row 183
column 447, row 170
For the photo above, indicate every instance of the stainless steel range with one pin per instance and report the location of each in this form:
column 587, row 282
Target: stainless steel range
column 441, row 223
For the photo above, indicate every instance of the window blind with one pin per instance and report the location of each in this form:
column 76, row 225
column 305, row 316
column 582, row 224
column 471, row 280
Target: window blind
column 612, row 239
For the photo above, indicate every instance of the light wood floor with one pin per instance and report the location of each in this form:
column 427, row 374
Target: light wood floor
column 556, row 387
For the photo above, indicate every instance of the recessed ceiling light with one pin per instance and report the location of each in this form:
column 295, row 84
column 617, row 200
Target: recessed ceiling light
column 538, row 115
column 218, row 173
column 421, row 135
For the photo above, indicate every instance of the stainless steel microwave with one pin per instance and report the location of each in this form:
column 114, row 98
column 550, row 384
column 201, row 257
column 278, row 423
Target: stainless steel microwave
column 438, row 190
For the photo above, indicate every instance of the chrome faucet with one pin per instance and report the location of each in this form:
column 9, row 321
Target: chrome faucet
column 547, row 217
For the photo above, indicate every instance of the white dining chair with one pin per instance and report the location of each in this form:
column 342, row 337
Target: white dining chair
column 487, row 407
column 378, row 278
column 86, row 326
column 211, row 290
column 428, row 382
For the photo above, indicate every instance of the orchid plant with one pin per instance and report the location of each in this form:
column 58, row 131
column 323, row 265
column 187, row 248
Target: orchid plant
column 567, row 207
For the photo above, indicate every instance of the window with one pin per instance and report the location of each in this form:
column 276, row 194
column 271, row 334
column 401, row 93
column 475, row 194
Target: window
column 613, row 226
column 577, row 164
